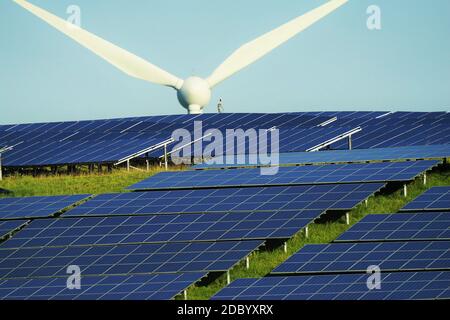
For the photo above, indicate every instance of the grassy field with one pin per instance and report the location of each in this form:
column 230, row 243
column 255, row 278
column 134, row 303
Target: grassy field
column 117, row 181
column 262, row 262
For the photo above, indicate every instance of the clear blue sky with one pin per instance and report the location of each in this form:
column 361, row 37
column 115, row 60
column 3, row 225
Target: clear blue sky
column 338, row 64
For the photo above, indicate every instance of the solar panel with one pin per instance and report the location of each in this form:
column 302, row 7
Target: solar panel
column 399, row 227
column 434, row 199
column 323, row 174
column 395, row 286
column 129, row 287
column 162, row 228
column 125, row 259
column 337, row 156
column 34, row 207
column 319, row 197
column 6, row 227
column 357, row 257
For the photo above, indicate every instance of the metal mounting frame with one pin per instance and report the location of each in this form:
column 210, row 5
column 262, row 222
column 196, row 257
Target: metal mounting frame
column 347, row 135
column 163, row 144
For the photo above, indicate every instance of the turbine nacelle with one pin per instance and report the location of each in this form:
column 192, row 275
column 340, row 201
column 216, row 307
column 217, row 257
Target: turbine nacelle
column 194, row 94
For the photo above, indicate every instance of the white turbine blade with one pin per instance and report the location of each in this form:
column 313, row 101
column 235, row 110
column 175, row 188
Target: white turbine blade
column 118, row 57
column 256, row 49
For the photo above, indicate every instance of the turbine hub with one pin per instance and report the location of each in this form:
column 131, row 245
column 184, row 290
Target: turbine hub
column 194, row 95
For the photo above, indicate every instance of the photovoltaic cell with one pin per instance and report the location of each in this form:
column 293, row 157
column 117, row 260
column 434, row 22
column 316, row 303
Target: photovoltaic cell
column 319, row 197
column 336, row 156
column 162, row 228
column 34, row 207
column 434, row 199
column 357, row 257
column 125, row 259
column 129, row 287
column 7, row 227
column 395, row 286
column 399, row 227
column 320, row 174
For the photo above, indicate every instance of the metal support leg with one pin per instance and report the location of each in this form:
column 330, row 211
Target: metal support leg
column 307, row 232
column 405, row 190
column 1, row 168
column 128, row 165
column 285, row 247
column 247, row 263
column 99, row 168
column 166, row 163
column 347, row 218
column 148, row 165
column 366, row 202
column 424, row 179
column 350, row 143
column 185, row 294
column 228, row 277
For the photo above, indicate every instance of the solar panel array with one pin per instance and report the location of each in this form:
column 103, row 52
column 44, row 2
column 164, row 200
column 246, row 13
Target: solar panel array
column 322, row 174
column 155, row 244
column 434, row 199
column 395, row 286
column 357, row 257
column 129, row 287
column 332, row 156
column 6, row 227
column 318, row 197
column 125, row 259
column 162, row 229
column 34, row 207
column 106, row 141
column 399, row 227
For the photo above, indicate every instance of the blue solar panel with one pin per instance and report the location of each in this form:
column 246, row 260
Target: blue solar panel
column 435, row 199
column 345, row 173
column 125, row 259
column 357, row 257
column 162, row 228
column 6, row 227
column 395, row 286
column 107, row 141
column 137, row 287
column 319, row 197
column 336, row 156
column 398, row 227
column 34, row 207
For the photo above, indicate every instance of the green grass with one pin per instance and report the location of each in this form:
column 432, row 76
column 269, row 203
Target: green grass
column 117, row 181
column 261, row 262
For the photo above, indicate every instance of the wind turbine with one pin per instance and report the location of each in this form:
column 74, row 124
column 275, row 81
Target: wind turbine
column 194, row 93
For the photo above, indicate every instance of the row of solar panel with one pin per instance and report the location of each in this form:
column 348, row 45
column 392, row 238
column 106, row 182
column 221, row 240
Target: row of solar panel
column 320, row 197
column 320, row 174
column 395, row 286
column 33, row 207
column 331, row 156
column 434, row 199
column 110, row 140
column 162, row 229
column 133, row 259
column 127, row 287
